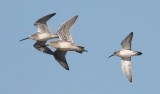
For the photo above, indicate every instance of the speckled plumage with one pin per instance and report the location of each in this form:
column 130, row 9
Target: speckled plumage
column 65, row 42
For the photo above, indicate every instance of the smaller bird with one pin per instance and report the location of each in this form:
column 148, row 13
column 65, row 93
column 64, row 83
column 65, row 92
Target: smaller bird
column 43, row 34
column 65, row 43
column 125, row 53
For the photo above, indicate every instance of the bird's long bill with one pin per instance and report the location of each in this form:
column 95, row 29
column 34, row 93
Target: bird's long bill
column 24, row 39
column 111, row 55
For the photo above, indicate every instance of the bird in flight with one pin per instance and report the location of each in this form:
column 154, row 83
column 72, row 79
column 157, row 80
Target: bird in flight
column 125, row 53
column 43, row 34
column 65, row 43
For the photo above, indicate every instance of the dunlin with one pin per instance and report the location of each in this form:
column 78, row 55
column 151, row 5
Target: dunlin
column 125, row 53
column 43, row 34
column 65, row 43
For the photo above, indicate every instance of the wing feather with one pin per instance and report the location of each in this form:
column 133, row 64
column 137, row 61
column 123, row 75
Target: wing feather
column 126, row 68
column 40, row 45
column 60, row 57
column 64, row 30
column 126, row 43
column 41, row 23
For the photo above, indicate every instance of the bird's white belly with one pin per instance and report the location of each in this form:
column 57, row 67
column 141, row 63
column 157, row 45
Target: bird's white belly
column 44, row 36
column 127, row 53
column 67, row 46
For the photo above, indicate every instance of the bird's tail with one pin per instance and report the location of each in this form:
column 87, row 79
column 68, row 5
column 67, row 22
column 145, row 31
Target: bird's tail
column 139, row 53
column 81, row 49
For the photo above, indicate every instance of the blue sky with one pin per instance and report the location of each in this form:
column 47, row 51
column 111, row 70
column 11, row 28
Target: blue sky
column 100, row 28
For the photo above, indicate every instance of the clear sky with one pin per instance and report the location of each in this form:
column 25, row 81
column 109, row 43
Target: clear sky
column 100, row 28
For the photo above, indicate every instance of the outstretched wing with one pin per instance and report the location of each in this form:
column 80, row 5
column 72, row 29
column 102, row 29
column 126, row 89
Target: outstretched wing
column 41, row 23
column 126, row 67
column 60, row 57
column 64, row 30
column 40, row 45
column 126, row 43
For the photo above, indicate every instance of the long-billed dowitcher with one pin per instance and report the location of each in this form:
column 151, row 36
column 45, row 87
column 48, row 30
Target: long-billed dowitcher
column 125, row 53
column 65, row 43
column 43, row 34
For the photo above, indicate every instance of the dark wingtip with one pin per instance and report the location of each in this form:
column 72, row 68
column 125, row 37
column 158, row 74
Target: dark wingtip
column 130, row 81
column 53, row 14
column 67, row 68
column 131, row 33
column 76, row 16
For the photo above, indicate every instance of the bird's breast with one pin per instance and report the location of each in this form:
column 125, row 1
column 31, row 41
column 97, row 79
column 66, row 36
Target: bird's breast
column 46, row 36
column 126, row 53
column 64, row 45
column 67, row 46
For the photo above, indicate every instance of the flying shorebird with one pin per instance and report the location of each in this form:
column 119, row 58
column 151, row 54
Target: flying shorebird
column 43, row 34
column 65, row 43
column 125, row 53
